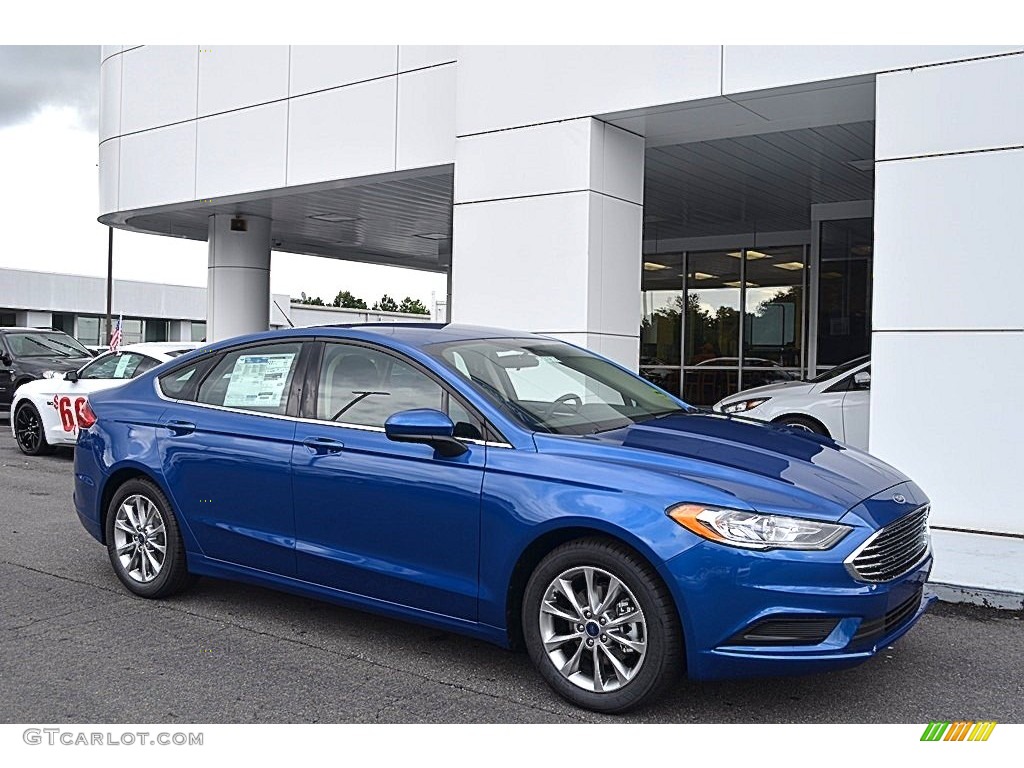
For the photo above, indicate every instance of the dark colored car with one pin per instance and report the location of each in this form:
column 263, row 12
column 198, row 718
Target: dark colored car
column 511, row 487
column 32, row 353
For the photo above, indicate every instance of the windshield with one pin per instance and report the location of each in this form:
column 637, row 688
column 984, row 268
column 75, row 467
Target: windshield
column 45, row 345
column 839, row 370
column 548, row 386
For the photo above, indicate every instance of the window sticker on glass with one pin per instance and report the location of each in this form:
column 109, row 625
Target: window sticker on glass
column 258, row 380
column 122, row 364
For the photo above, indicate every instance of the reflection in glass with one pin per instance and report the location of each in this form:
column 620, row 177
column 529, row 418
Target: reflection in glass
column 712, row 326
column 844, row 291
column 773, row 323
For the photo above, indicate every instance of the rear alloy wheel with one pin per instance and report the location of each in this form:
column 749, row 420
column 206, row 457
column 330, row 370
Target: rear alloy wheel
column 144, row 542
column 600, row 626
column 29, row 432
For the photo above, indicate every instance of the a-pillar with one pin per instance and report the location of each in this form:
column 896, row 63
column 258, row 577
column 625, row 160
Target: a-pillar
column 548, row 233
column 238, row 279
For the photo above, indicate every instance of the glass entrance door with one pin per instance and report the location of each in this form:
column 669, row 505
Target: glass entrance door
column 844, row 291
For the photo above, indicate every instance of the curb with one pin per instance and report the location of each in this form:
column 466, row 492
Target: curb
column 986, row 598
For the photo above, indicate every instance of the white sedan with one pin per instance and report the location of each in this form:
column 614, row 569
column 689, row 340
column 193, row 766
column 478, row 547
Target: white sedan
column 834, row 403
column 44, row 412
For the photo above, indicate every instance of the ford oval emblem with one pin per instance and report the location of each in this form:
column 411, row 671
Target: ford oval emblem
column 899, row 498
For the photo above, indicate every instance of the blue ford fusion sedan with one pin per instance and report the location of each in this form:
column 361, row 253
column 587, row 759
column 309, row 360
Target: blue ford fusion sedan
column 511, row 487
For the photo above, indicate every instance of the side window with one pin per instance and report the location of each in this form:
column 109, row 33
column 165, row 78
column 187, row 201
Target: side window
column 253, row 379
column 176, row 383
column 144, row 365
column 365, row 386
column 124, row 365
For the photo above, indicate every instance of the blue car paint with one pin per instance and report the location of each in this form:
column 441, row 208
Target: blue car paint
column 437, row 540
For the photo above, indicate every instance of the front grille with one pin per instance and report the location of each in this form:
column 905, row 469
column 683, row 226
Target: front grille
column 894, row 550
column 876, row 628
column 786, row 631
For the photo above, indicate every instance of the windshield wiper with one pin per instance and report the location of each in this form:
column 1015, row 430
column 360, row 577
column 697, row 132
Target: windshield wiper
column 354, row 400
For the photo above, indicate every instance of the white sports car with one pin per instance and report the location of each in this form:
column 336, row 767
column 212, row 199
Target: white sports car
column 44, row 412
column 834, row 403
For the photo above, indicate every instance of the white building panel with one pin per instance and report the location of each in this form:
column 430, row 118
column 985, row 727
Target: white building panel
column 109, row 168
column 426, row 117
column 941, row 411
column 509, row 86
column 917, row 117
column 242, row 151
column 419, row 56
column 158, row 167
column 497, row 263
column 110, row 98
column 236, row 76
column 947, row 240
column 158, row 86
column 343, row 132
column 317, row 67
column 753, row 67
column 106, row 51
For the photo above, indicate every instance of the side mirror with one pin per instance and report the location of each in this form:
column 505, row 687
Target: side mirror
column 862, row 380
column 427, row 426
column 71, row 376
column 5, row 358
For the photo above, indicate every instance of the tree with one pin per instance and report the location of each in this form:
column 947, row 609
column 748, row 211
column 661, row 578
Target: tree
column 386, row 304
column 347, row 300
column 316, row 302
column 413, row 306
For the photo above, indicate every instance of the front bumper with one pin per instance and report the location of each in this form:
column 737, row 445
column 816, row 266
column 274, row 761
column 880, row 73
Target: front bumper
column 728, row 596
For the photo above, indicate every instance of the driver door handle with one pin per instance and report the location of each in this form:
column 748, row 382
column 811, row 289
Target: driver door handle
column 179, row 427
column 323, row 445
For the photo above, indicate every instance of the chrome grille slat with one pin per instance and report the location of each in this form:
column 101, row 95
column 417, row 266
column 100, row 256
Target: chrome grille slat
column 894, row 550
column 891, row 553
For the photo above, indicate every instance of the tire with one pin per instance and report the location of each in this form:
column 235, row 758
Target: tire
column 802, row 423
column 29, row 431
column 655, row 658
column 143, row 571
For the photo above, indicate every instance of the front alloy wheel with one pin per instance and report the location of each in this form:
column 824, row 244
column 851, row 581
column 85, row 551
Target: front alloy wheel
column 28, row 430
column 593, row 629
column 601, row 627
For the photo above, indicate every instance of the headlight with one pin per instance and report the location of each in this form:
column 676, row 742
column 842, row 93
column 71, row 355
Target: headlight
column 754, row 530
column 744, row 405
column 52, row 374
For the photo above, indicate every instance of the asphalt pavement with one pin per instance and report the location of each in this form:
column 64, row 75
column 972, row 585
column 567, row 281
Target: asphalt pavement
column 76, row 647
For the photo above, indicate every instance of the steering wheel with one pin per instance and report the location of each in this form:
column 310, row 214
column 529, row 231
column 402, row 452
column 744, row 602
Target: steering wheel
column 563, row 400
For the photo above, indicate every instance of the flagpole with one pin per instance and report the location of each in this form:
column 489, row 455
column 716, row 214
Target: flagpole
column 110, row 279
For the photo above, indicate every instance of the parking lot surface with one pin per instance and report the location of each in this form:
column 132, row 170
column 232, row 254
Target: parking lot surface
column 76, row 647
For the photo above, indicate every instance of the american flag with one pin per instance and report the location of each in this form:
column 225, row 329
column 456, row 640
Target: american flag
column 115, row 336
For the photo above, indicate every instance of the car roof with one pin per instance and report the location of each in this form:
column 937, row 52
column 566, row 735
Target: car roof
column 26, row 329
column 421, row 334
column 160, row 348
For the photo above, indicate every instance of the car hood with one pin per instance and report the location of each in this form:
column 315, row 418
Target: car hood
column 767, row 467
column 36, row 365
column 790, row 387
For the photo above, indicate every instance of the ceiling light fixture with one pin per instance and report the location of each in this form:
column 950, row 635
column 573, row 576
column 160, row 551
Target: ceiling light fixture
column 738, row 284
column 703, row 276
column 751, row 254
column 433, row 236
column 651, row 266
column 790, row 265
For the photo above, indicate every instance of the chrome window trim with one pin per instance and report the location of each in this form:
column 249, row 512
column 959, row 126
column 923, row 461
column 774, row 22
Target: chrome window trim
column 851, row 569
column 302, row 420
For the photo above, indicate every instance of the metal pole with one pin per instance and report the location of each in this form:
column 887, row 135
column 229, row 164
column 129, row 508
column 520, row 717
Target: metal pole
column 110, row 281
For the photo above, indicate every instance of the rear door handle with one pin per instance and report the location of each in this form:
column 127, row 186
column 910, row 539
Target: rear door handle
column 179, row 427
column 323, row 445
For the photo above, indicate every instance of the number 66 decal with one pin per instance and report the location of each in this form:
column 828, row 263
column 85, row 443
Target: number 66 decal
column 70, row 411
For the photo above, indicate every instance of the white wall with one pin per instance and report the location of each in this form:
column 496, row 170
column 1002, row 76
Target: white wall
column 948, row 322
column 183, row 123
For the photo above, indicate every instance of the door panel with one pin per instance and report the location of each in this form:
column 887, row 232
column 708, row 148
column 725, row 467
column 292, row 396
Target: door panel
column 392, row 521
column 229, row 468
column 856, row 405
column 388, row 520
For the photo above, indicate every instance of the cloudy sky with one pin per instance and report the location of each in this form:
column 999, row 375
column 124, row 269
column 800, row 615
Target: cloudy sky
column 49, row 199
